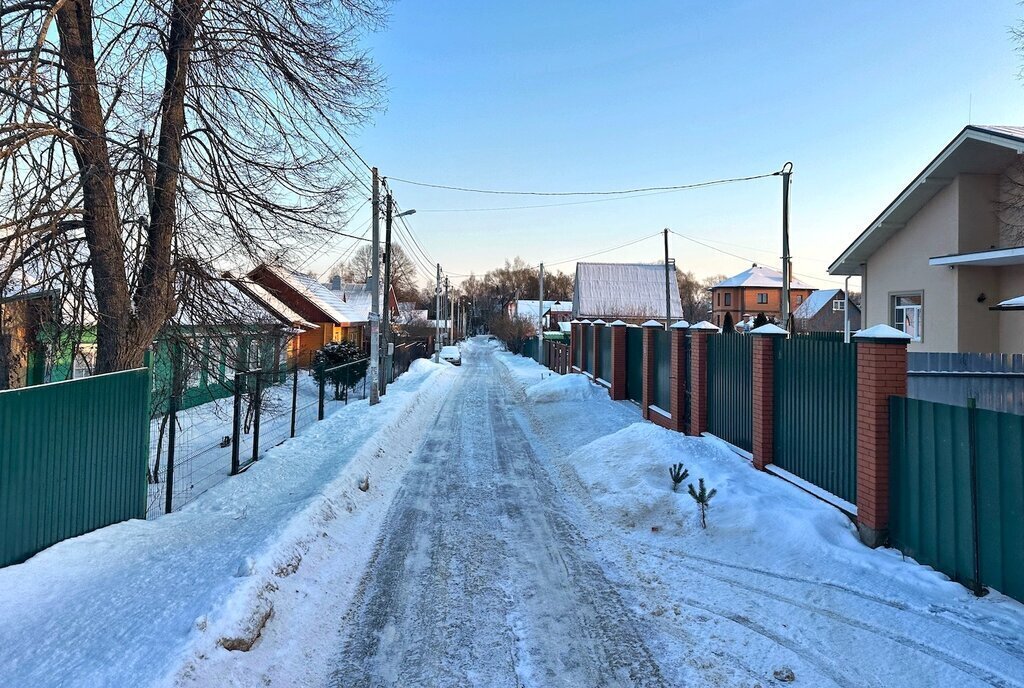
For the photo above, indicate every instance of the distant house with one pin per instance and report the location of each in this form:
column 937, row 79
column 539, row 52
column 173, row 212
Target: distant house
column 632, row 292
column 756, row 290
column 949, row 247
column 824, row 311
column 554, row 311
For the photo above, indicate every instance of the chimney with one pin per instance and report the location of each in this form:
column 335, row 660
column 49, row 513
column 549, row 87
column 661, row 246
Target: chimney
column 336, row 283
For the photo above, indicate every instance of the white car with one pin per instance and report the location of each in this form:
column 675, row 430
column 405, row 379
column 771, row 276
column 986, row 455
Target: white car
column 451, row 354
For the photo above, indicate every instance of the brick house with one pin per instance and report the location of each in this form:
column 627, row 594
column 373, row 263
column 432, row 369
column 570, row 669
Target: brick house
column 755, row 290
column 824, row 311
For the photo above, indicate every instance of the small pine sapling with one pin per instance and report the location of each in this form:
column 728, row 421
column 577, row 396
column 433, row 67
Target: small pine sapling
column 703, row 499
column 678, row 475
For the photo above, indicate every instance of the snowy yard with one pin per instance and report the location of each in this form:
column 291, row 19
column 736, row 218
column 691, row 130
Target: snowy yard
column 519, row 529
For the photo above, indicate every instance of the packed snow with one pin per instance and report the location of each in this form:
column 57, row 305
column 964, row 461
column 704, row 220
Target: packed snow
column 573, row 387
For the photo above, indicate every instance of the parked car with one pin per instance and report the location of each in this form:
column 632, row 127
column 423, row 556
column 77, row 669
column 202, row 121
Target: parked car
column 451, row 354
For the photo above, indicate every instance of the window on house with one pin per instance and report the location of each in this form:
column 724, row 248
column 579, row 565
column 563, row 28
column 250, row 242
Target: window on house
column 839, row 305
column 254, row 354
column 762, row 297
column 84, row 362
column 907, row 314
column 799, row 299
column 718, row 299
column 728, row 299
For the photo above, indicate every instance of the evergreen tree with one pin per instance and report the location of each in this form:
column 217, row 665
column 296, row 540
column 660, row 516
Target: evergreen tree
column 703, row 499
column 728, row 326
column 678, row 475
column 326, row 364
column 761, row 319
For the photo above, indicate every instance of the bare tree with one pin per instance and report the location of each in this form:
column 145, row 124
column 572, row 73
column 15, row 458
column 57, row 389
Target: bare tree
column 140, row 142
column 403, row 271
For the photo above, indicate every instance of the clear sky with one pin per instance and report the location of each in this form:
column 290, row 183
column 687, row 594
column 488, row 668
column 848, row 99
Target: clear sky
column 566, row 96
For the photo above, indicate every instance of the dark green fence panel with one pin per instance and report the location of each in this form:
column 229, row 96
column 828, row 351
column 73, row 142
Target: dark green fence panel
column 586, row 343
column 934, row 494
column 605, row 342
column 815, row 412
column 662, row 370
column 730, row 390
column 635, row 364
column 73, row 458
column 530, row 348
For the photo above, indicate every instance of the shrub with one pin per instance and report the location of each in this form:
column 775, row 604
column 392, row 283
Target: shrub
column 336, row 354
column 678, row 475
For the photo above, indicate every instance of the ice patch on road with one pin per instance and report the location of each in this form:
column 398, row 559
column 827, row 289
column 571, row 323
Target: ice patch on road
column 565, row 388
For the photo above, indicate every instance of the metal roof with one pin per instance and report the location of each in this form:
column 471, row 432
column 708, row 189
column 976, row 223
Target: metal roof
column 815, row 301
column 975, row 150
column 624, row 290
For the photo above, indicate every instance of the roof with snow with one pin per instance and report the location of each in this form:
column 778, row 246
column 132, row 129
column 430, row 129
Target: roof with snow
column 529, row 307
column 760, row 276
column 975, row 150
column 623, row 290
column 817, row 300
column 270, row 303
column 335, row 305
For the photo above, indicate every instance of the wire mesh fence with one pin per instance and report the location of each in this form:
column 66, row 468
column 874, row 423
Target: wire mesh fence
column 195, row 449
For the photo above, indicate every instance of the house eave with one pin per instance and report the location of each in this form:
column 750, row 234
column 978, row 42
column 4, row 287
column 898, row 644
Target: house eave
column 992, row 258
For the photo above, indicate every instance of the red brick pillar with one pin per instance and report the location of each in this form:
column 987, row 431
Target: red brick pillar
column 881, row 373
column 618, row 388
column 574, row 338
column 699, row 334
column 595, row 343
column 647, row 395
column 764, row 392
column 678, row 375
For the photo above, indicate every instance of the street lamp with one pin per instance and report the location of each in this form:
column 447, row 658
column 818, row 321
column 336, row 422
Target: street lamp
column 386, row 318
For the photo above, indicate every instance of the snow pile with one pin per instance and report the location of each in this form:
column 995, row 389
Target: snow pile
column 526, row 371
column 573, row 387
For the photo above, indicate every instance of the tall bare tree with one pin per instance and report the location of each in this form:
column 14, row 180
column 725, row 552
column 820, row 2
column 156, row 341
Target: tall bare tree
column 143, row 141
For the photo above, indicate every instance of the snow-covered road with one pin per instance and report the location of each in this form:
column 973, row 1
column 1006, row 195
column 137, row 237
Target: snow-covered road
column 480, row 578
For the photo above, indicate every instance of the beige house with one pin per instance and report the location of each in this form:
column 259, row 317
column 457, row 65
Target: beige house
column 950, row 248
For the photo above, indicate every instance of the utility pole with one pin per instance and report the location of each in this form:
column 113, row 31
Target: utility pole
column 668, row 291
column 373, row 372
column 437, row 316
column 386, row 315
column 787, row 268
column 447, row 310
column 540, row 317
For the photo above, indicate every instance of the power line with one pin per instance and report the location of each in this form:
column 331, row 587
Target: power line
column 677, row 187
column 545, row 205
column 597, row 253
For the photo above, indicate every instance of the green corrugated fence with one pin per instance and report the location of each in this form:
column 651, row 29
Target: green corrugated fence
column 74, row 457
column 957, row 491
column 635, row 364
column 815, row 412
column 604, row 340
column 730, row 389
column 586, row 344
column 662, row 370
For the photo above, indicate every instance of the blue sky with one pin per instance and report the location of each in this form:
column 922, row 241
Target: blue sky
column 566, row 96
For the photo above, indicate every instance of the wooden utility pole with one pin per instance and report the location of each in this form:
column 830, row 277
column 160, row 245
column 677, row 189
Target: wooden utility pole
column 386, row 315
column 668, row 289
column 437, row 316
column 787, row 268
column 540, row 317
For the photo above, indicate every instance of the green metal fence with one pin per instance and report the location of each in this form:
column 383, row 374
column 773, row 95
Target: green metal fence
column 662, row 370
column 73, row 459
column 957, row 491
column 604, row 341
column 730, row 390
column 635, row 364
column 586, row 343
column 815, row 412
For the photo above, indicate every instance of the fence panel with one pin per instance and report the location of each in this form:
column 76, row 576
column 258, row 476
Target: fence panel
column 605, row 342
column 586, row 343
column 635, row 364
column 994, row 381
column 662, row 370
column 957, row 491
column 73, row 460
column 730, row 390
column 815, row 412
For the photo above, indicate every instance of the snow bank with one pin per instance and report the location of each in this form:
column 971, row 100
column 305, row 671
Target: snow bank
column 573, row 387
column 121, row 606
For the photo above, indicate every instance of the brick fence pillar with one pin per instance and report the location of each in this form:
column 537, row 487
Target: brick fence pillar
column 574, row 338
column 765, row 338
column 595, row 343
column 647, row 395
column 699, row 334
column 678, row 375
column 881, row 373
column 618, row 388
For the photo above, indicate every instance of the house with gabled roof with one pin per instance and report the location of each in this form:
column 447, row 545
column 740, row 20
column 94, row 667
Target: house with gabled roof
column 631, row 292
column 825, row 310
column 941, row 256
column 756, row 290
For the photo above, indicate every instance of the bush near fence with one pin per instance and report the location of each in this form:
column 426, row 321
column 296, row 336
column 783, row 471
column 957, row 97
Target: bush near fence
column 815, row 410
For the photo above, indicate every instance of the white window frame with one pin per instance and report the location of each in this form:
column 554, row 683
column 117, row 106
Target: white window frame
column 762, row 301
column 83, row 362
column 898, row 314
column 838, row 305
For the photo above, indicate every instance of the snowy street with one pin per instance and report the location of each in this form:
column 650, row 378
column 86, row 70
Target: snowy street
column 517, row 529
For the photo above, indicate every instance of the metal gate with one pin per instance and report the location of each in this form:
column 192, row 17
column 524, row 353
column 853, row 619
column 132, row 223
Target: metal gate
column 956, row 491
column 815, row 412
column 730, row 391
